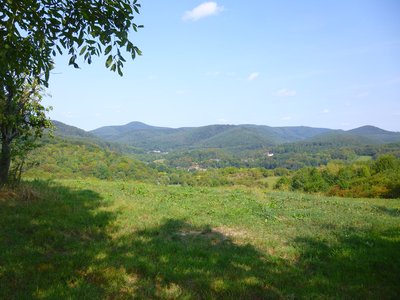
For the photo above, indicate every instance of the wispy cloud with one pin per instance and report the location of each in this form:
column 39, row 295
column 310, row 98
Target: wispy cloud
column 286, row 118
column 285, row 93
column 205, row 9
column 325, row 111
column 253, row 76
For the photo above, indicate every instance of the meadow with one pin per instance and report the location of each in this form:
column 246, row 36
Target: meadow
column 97, row 239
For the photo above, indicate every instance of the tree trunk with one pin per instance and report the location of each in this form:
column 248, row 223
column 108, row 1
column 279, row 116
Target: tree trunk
column 6, row 135
column 5, row 161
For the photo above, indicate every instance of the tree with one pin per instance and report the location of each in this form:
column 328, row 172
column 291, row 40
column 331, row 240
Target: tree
column 32, row 32
column 22, row 119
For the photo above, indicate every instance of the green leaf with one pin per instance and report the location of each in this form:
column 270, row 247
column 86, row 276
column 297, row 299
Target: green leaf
column 120, row 71
column 138, row 51
column 109, row 61
column 72, row 60
column 83, row 50
column 59, row 49
column 108, row 50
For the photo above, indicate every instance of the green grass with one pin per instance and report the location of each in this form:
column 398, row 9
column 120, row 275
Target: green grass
column 89, row 239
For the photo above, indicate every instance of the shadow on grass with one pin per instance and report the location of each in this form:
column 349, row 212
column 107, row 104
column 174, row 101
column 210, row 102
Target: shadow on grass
column 47, row 237
column 177, row 260
column 67, row 245
column 393, row 212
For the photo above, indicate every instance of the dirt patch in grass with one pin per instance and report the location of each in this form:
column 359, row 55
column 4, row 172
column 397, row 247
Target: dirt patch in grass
column 231, row 232
column 217, row 234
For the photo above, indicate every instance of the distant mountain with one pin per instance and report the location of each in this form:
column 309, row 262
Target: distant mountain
column 365, row 135
column 228, row 137
column 113, row 132
column 369, row 130
column 376, row 134
column 213, row 136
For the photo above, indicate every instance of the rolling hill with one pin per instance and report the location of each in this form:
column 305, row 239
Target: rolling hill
column 228, row 137
column 211, row 136
column 237, row 137
column 64, row 130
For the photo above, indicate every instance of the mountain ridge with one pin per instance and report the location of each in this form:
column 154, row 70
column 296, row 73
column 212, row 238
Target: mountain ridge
column 225, row 136
column 244, row 136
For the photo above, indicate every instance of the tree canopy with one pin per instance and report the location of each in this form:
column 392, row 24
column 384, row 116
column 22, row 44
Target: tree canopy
column 32, row 32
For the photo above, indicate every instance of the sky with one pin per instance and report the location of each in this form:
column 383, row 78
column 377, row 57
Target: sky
column 332, row 64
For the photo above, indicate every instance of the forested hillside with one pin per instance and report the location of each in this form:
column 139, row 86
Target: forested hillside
column 222, row 145
column 237, row 137
column 373, row 179
column 72, row 158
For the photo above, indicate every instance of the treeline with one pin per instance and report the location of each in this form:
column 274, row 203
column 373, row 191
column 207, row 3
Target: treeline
column 291, row 156
column 65, row 158
column 375, row 179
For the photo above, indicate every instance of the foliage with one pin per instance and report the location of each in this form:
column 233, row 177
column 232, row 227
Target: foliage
column 63, row 157
column 379, row 178
column 33, row 32
column 22, row 120
column 60, row 158
column 291, row 156
column 308, row 180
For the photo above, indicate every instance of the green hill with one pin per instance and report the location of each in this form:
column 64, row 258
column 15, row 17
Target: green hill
column 366, row 135
column 377, row 135
column 65, row 157
column 238, row 137
column 212, row 136
column 64, row 130
column 118, row 132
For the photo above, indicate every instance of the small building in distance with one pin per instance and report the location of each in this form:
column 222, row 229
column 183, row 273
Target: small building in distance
column 269, row 154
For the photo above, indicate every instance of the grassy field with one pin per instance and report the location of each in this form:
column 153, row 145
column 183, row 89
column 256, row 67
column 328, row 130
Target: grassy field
column 89, row 239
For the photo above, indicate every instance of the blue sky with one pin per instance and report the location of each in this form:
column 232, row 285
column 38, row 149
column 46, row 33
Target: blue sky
column 332, row 64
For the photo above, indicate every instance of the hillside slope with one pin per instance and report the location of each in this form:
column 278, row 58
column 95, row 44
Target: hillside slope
column 212, row 136
column 227, row 137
